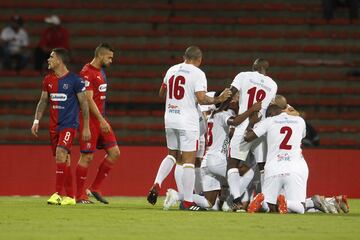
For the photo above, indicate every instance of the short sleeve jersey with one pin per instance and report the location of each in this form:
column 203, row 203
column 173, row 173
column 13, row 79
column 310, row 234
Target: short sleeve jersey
column 218, row 132
column 284, row 135
column 182, row 82
column 64, row 104
column 254, row 87
column 95, row 80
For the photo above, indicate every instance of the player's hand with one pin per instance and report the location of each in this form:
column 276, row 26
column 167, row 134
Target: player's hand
column 255, row 117
column 86, row 134
column 35, row 129
column 256, row 107
column 225, row 95
column 104, row 126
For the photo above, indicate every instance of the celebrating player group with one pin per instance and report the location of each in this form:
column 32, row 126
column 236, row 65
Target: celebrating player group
column 251, row 160
column 233, row 150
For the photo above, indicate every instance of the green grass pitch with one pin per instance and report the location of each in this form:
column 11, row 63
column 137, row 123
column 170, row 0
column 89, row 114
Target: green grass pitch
column 134, row 218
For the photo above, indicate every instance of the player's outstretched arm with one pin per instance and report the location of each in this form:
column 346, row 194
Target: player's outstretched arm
column 203, row 99
column 240, row 118
column 86, row 135
column 104, row 125
column 40, row 108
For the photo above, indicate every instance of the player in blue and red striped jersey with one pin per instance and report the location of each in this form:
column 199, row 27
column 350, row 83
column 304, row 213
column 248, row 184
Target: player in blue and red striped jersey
column 102, row 134
column 66, row 92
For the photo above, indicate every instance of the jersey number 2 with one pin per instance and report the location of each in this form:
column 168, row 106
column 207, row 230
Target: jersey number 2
column 284, row 144
column 176, row 87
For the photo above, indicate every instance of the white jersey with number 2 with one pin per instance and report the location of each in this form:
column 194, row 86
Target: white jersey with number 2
column 284, row 135
column 182, row 82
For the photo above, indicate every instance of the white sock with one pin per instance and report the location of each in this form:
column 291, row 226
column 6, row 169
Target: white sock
column 245, row 180
column 295, row 207
column 312, row 210
column 265, row 207
column 198, row 183
column 216, row 205
column 165, row 168
column 179, row 170
column 309, row 203
column 262, row 178
column 201, row 201
column 233, row 177
column 188, row 180
column 245, row 197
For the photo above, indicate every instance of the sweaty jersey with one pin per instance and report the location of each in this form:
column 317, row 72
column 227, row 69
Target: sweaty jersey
column 182, row 82
column 284, row 135
column 64, row 104
column 253, row 87
column 95, row 80
column 218, row 132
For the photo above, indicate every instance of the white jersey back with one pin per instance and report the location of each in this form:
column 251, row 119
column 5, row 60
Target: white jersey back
column 253, row 87
column 218, row 132
column 284, row 135
column 181, row 110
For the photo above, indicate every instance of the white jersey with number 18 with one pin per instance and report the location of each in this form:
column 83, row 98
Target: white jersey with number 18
column 253, row 87
column 182, row 82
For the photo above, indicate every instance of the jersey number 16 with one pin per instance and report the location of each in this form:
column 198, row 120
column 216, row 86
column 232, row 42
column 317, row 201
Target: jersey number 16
column 176, row 87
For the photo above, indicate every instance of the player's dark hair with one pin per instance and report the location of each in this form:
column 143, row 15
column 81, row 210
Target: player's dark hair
column 273, row 110
column 192, row 53
column 63, row 54
column 260, row 64
column 103, row 46
column 217, row 93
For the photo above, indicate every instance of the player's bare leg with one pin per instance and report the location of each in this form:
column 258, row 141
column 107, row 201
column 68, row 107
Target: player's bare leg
column 164, row 169
column 113, row 155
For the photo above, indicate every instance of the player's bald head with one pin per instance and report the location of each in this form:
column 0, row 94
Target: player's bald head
column 281, row 101
column 102, row 49
column 260, row 65
column 193, row 53
column 273, row 110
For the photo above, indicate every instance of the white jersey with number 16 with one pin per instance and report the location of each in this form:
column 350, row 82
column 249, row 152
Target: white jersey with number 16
column 182, row 82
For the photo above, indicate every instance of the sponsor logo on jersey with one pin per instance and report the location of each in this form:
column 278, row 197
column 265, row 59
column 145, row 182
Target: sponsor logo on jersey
column 283, row 157
column 58, row 97
column 172, row 106
column 102, row 87
column 58, row 107
column 66, row 86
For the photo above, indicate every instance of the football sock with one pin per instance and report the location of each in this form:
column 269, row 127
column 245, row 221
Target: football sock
column 295, row 207
column 60, row 177
column 265, row 207
column 198, row 184
column 245, row 180
column 309, row 203
column 165, row 168
column 234, row 182
column 188, row 180
column 68, row 184
column 201, row 201
column 179, row 170
column 102, row 173
column 81, row 176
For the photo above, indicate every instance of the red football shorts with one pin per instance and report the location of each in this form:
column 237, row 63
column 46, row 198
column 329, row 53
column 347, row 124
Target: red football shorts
column 63, row 138
column 98, row 139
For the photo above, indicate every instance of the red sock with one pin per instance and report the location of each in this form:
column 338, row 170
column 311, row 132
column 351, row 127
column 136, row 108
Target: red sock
column 103, row 171
column 81, row 175
column 60, row 177
column 69, row 188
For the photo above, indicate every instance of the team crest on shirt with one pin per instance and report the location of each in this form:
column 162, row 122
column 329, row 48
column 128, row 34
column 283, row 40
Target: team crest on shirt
column 66, row 86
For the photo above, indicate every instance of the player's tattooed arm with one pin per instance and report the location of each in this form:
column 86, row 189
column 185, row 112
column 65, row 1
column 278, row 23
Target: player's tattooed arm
column 241, row 117
column 203, row 99
column 40, row 108
column 250, row 136
column 86, row 135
